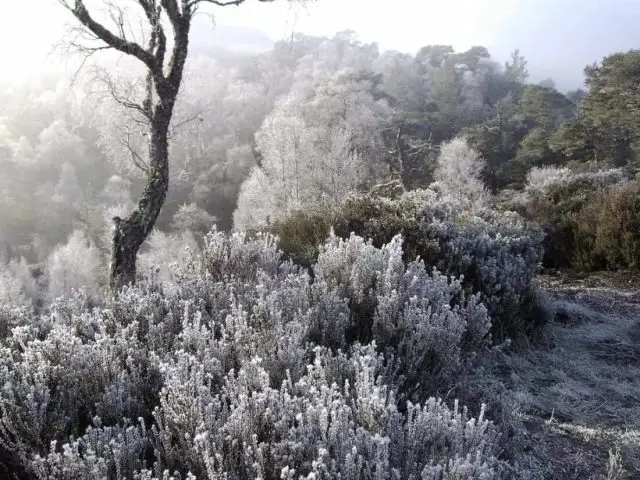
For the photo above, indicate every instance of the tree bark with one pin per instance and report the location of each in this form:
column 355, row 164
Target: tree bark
column 130, row 233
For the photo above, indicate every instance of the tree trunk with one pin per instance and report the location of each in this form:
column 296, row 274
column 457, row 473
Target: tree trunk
column 123, row 256
column 130, row 233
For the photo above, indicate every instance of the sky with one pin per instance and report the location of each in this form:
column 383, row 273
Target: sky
column 402, row 25
column 558, row 37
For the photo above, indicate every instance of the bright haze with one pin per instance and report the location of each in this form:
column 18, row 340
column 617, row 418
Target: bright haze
column 558, row 37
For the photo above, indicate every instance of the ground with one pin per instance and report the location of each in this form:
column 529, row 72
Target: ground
column 580, row 389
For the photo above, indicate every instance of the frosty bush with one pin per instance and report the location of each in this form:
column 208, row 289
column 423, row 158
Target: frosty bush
column 496, row 253
column 12, row 288
column 424, row 322
column 566, row 204
column 553, row 191
column 191, row 217
column 315, row 428
column 161, row 251
column 73, row 266
column 499, row 256
column 235, row 255
column 541, row 179
column 245, row 367
column 459, row 171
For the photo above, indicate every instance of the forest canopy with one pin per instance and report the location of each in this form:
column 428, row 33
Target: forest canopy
column 315, row 108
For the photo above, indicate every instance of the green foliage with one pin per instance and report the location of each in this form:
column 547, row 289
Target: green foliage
column 516, row 68
column 590, row 219
column 607, row 230
column 377, row 219
column 543, row 111
column 497, row 140
column 608, row 126
column 301, row 234
column 573, row 141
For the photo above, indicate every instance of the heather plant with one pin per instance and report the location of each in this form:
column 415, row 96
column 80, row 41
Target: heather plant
column 541, row 179
column 314, row 426
column 234, row 255
column 54, row 388
column 424, row 322
column 554, row 192
column 244, row 366
column 495, row 253
column 12, row 316
column 161, row 251
column 499, row 256
column 75, row 265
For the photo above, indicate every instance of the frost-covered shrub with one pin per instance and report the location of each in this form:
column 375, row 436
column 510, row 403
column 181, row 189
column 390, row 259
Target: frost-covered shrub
column 552, row 192
column 313, row 427
column 498, row 256
column 253, row 370
column 73, row 266
column 496, row 252
column 541, row 179
column 163, row 250
column 606, row 232
column 566, row 205
column 423, row 322
column 12, row 315
column 459, row 171
column 191, row 217
column 595, row 180
column 303, row 232
column 350, row 281
column 235, row 255
column 116, row 452
column 375, row 218
column 53, row 388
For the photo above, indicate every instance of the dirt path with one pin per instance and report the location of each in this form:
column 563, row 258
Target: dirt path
column 581, row 390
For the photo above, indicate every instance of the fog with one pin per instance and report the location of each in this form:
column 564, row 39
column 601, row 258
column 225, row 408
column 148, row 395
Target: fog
column 558, row 38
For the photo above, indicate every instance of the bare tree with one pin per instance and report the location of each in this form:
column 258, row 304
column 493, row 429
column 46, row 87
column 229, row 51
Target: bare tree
column 164, row 71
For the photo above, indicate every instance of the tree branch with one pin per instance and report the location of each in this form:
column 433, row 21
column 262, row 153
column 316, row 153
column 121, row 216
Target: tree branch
column 220, row 3
column 191, row 118
column 101, row 32
column 136, row 159
column 115, row 93
column 158, row 40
